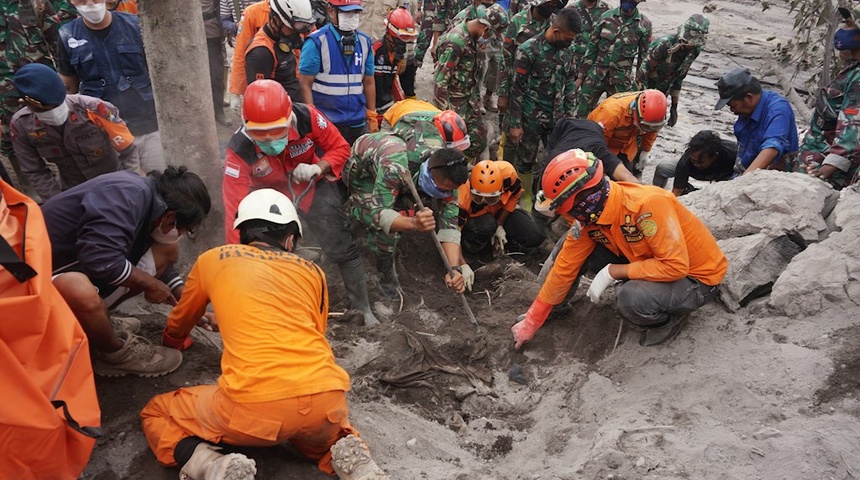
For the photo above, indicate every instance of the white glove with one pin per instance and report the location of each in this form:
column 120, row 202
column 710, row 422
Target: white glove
column 305, row 172
column 235, row 102
column 601, row 281
column 500, row 239
column 643, row 158
column 468, row 276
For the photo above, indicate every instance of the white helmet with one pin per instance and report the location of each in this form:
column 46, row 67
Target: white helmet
column 293, row 13
column 269, row 205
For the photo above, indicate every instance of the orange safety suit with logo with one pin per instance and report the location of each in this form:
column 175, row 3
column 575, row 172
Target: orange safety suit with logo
column 253, row 19
column 279, row 381
column 511, row 192
column 662, row 240
column 616, row 116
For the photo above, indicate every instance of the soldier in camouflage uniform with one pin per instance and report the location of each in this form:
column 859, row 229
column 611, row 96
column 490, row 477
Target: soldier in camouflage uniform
column 831, row 148
column 28, row 33
column 620, row 37
column 669, row 59
column 378, row 194
column 589, row 12
column 544, row 67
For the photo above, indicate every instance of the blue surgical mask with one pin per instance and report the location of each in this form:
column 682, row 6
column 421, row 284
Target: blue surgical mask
column 273, row 147
column 425, row 181
column 628, row 6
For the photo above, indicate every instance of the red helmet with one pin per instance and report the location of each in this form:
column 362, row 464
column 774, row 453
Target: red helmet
column 565, row 176
column 650, row 112
column 453, row 129
column 486, row 179
column 267, row 107
column 401, row 25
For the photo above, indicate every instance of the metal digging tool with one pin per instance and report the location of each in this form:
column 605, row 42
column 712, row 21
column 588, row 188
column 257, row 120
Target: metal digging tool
column 408, row 180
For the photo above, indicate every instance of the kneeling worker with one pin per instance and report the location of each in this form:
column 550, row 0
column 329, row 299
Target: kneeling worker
column 667, row 259
column 271, row 391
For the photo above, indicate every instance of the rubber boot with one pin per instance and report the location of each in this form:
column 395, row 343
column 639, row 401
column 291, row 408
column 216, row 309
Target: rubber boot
column 355, row 282
column 207, row 463
column 527, row 200
column 389, row 285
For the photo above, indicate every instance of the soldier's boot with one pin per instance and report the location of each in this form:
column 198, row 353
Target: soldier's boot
column 351, row 460
column 389, row 285
column 491, row 102
column 355, row 283
column 208, row 463
column 527, row 199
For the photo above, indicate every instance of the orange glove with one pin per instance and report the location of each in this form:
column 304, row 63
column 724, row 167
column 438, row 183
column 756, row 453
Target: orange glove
column 525, row 329
column 372, row 121
column 177, row 343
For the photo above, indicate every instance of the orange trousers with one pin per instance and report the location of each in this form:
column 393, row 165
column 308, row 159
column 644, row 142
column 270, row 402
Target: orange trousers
column 311, row 423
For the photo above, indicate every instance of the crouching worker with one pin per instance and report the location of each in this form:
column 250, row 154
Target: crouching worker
column 488, row 210
column 271, row 391
column 666, row 258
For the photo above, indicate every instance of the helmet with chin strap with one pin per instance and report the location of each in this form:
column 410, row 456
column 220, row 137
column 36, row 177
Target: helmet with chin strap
column 566, row 175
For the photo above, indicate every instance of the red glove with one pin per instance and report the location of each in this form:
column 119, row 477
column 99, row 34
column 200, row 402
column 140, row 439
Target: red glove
column 525, row 329
column 177, row 343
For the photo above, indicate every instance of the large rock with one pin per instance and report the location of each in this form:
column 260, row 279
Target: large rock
column 826, row 275
column 765, row 201
column 755, row 262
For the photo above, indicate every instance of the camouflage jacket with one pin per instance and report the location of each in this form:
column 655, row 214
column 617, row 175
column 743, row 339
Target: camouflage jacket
column 589, row 17
column 839, row 138
column 665, row 65
column 457, row 73
column 542, row 89
column 522, row 27
column 373, row 174
column 615, row 44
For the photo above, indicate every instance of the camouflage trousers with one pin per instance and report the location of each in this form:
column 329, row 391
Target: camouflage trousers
column 523, row 155
column 425, row 37
column 378, row 241
column 491, row 70
column 811, row 156
column 600, row 81
column 470, row 109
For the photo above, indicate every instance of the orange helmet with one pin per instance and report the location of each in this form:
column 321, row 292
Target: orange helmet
column 650, row 112
column 486, row 182
column 267, row 107
column 565, row 176
column 453, row 129
column 401, row 25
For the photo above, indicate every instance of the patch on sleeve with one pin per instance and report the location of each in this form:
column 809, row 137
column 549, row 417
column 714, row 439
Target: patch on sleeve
column 231, row 170
column 648, row 227
column 321, row 122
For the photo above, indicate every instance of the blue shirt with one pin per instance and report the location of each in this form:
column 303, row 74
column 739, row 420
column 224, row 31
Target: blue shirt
column 310, row 62
column 771, row 125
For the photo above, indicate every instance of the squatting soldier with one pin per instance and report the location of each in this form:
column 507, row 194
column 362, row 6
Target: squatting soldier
column 379, row 193
column 621, row 35
column 544, row 67
column 29, row 34
column 458, row 74
column 669, row 59
column 522, row 26
column 831, row 147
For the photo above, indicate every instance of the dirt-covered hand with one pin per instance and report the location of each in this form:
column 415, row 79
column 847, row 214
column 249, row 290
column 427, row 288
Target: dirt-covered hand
column 158, row 292
column 600, row 283
column 515, row 135
column 424, row 220
column 457, row 282
column 502, row 103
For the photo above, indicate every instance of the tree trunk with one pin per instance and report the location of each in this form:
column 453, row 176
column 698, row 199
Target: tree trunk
column 832, row 22
column 178, row 64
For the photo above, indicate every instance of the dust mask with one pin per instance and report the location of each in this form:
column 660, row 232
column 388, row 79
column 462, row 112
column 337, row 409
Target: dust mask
column 56, row 116
column 347, row 21
column 93, row 13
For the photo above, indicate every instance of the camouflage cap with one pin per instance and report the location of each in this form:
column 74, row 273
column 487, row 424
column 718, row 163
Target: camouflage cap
column 498, row 17
column 481, row 15
column 695, row 30
column 851, row 14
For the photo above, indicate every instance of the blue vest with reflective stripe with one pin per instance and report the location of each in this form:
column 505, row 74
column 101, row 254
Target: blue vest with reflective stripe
column 338, row 91
column 113, row 68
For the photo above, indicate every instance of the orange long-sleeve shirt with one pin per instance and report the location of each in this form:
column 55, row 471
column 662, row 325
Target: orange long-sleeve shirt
column 615, row 115
column 662, row 240
column 253, row 19
column 272, row 309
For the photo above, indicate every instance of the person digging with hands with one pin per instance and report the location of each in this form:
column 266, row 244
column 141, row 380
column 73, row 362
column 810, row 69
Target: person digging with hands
column 666, row 260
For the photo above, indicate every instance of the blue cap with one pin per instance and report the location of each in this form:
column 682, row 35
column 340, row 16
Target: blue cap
column 41, row 83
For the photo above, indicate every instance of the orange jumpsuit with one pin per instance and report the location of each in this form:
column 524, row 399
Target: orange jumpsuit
column 615, row 115
column 253, row 19
column 279, row 379
column 662, row 240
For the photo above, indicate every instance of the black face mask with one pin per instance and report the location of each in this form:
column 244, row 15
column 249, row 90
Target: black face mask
column 399, row 49
column 291, row 42
column 347, row 42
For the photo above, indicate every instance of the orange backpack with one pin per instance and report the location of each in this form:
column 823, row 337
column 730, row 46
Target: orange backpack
column 49, row 413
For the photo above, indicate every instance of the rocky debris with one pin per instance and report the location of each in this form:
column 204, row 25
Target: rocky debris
column 755, row 262
column 767, row 432
column 765, row 201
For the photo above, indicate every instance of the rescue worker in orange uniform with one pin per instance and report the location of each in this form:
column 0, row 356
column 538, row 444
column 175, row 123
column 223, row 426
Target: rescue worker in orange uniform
column 667, row 260
column 272, row 52
column 253, row 18
column 270, row 391
column 630, row 122
column 489, row 213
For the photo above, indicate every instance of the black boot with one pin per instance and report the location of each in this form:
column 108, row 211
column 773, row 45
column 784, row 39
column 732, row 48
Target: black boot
column 389, row 285
column 355, row 282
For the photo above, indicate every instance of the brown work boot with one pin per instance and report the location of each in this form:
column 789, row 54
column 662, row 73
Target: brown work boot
column 208, row 463
column 129, row 324
column 351, row 460
column 138, row 357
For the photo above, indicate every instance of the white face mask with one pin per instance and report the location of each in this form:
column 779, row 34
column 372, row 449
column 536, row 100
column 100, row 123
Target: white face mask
column 348, row 21
column 56, row 116
column 168, row 238
column 92, row 13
